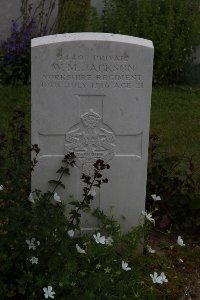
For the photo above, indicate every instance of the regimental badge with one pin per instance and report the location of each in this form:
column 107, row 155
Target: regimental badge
column 90, row 140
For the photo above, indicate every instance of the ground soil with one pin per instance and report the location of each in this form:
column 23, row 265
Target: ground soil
column 191, row 269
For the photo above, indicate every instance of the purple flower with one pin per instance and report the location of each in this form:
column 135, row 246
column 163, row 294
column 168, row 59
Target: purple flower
column 16, row 51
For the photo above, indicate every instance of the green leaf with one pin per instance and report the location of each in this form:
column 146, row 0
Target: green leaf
column 53, row 181
column 62, row 185
column 67, row 171
column 57, row 182
column 74, row 203
column 195, row 203
column 60, row 170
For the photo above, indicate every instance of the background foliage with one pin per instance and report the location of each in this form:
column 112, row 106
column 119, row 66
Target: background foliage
column 177, row 180
column 172, row 25
column 77, row 16
column 15, row 52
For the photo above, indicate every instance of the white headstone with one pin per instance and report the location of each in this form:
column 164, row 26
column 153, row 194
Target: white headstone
column 91, row 95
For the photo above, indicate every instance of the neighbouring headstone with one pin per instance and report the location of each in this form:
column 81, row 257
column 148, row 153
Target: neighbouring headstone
column 91, row 95
column 98, row 4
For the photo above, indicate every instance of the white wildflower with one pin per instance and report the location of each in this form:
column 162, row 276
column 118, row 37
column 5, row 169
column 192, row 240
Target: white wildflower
column 34, row 260
column 31, row 244
column 155, row 198
column 1, row 187
column 148, row 216
column 99, row 239
column 48, row 292
column 159, row 279
column 56, row 197
column 109, row 241
column 31, row 198
column 98, row 266
column 150, row 250
column 180, row 241
column 70, row 233
column 164, row 278
column 107, row 270
column 180, row 260
column 79, row 249
column 156, row 278
column 125, row 266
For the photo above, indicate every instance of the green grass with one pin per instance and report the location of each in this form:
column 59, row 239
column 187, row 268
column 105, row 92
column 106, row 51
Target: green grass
column 12, row 98
column 175, row 116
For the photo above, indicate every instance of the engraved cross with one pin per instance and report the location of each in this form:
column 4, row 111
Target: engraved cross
column 90, row 138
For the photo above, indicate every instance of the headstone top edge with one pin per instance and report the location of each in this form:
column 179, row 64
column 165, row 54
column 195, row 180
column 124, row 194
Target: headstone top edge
column 90, row 36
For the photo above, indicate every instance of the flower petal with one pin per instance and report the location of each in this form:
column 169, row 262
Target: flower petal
column 70, row 233
column 56, row 197
column 180, row 241
column 150, row 250
column 79, row 249
column 125, row 266
column 31, row 198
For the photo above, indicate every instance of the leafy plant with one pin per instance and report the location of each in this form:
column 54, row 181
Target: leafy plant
column 176, row 180
column 15, row 154
column 77, row 16
column 15, row 52
column 43, row 254
column 174, row 32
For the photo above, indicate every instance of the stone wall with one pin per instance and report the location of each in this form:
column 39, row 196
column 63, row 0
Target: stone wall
column 10, row 10
column 98, row 4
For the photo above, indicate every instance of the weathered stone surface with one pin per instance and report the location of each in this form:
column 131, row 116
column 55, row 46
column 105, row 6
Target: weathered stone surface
column 91, row 94
column 10, row 11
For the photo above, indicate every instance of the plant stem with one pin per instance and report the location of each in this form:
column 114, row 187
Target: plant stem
column 58, row 181
column 81, row 204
